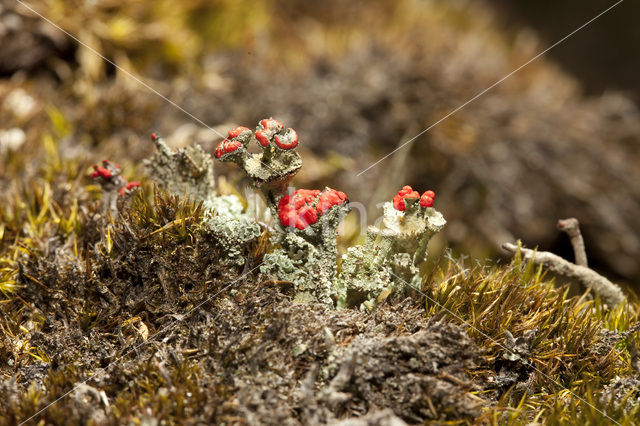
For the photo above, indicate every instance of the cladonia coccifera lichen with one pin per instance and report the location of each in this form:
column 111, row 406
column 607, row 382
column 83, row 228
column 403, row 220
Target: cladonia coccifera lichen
column 304, row 239
column 307, row 219
column 388, row 261
column 224, row 217
column 189, row 171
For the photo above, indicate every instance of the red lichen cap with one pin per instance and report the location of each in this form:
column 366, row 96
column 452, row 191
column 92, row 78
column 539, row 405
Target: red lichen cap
column 129, row 186
column 101, row 172
column 303, row 207
column 297, row 210
column 288, row 140
column 405, row 192
column 230, row 144
column 227, row 146
column 329, row 198
column 427, row 199
column 267, row 128
column 238, row 131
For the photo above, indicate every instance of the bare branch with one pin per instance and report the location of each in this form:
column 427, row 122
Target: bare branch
column 610, row 292
column 571, row 227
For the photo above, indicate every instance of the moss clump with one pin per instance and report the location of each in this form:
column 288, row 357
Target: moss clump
column 255, row 355
column 144, row 309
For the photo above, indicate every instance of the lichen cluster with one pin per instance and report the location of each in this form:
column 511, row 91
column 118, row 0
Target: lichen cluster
column 165, row 292
column 306, row 253
column 159, row 319
column 390, row 258
column 190, row 172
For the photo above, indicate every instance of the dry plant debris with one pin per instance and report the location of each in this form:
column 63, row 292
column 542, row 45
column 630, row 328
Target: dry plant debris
column 611, row 293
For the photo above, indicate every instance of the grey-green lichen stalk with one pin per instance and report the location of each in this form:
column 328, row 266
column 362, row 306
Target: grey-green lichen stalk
column 389, row 260
column 308, row 253
column 305, row 251
column 189, row 171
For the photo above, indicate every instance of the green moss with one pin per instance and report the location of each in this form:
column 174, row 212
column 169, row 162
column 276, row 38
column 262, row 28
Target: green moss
column 148, row 309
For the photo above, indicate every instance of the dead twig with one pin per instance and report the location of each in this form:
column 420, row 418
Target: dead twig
column 571, row 227
column 610, row 292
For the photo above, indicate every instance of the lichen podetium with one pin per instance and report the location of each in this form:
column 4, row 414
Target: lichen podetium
column 306, row 252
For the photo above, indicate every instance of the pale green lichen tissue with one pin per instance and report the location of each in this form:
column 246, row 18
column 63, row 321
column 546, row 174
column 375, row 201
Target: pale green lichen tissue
column 304, row 236
column 187, row 171
column 388, row 261
column 308, row 258
column 224, row 217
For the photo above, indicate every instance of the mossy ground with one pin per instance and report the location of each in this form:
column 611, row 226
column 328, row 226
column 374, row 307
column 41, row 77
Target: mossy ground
column 141, row 306
column 141, row 310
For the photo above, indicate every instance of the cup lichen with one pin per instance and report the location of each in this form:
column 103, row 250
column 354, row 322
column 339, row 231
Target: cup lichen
column 305, row 249
column 389, row 260
column 306, row 252
column 187, row 171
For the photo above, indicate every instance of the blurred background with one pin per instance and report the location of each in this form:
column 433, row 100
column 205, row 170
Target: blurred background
column 356, row 79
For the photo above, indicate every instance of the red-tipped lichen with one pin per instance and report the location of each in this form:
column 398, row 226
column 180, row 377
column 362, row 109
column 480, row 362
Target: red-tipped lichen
column 303, row 207
column 288, row 140
column 266, row 130
column 99, row 171
column 106, row 171
column 405, row 192
column 227, row 146
column 329, row 198
column 297, row 209
column 231, row 144
column 238, row 131
column 129, row 187
column 427, row 199
column 108, row 177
